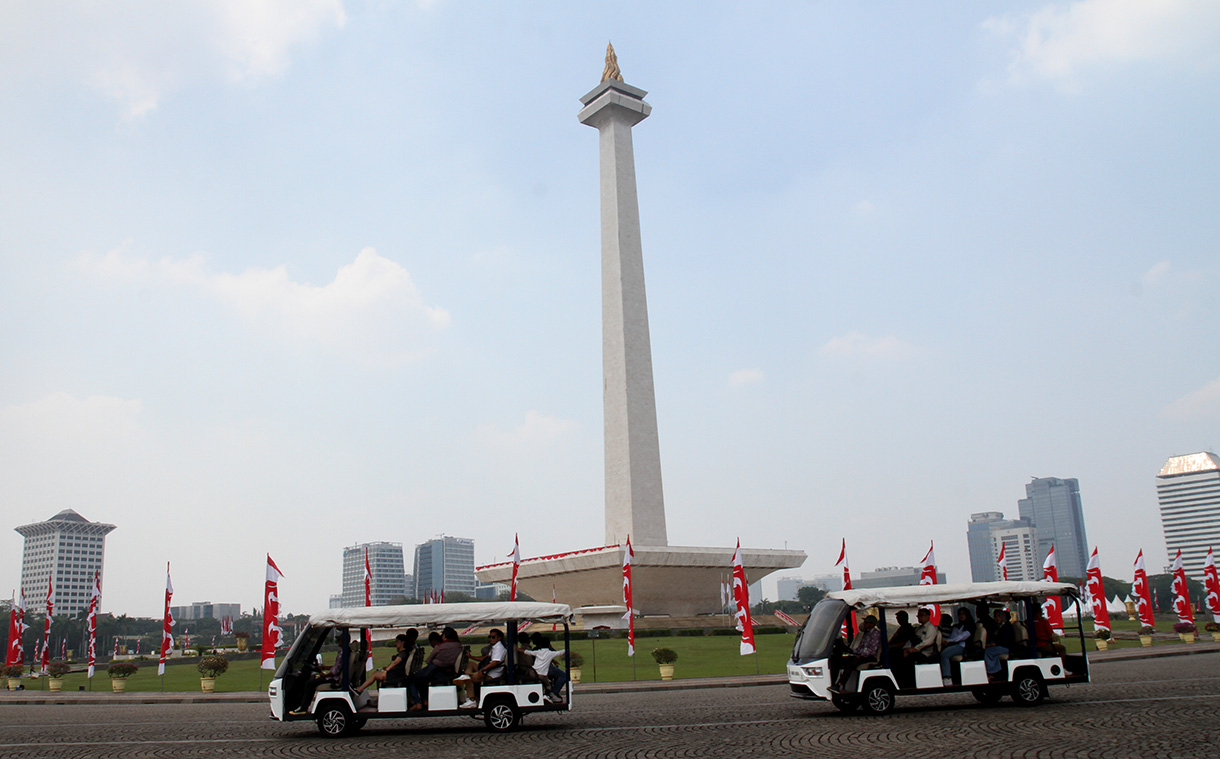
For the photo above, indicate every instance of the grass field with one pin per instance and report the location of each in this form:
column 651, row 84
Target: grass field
column 606, row 660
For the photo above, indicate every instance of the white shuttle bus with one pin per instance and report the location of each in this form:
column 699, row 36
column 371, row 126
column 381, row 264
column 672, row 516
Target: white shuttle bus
column 297, row 693
column 1024, row 674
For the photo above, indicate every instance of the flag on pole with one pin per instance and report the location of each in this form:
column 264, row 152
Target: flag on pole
column 516, row 556
column 1156, row 600
column 849, row 630
column 116, row 647
column 927, row 576
column 95, row 598
column 1211, row 584
column 46, row 630
column 16, row 626
column 554, row 625
column 167, row 621
column 368, row 601
column 1143, row 598
column 1052, row 608
column 628, row 555
column 1003, row 564
column 1181, row 593
column 741, row 594
column 1097, row 593
column 273, row 634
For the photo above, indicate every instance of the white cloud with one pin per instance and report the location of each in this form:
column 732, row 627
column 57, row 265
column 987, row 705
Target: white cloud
column 372, row 298
column 537, row 429
column 743, row 377
column 1155, row 275
column 864, row 208
column 858, row 344
column 1061, row 42
column 135, row 52
column 1203, row 402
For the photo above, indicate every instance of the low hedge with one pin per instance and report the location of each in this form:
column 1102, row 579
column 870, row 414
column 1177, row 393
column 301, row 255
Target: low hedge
column 690, row 632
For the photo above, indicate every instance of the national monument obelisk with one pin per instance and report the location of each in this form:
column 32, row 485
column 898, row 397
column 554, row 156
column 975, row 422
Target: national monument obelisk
column 666, row 580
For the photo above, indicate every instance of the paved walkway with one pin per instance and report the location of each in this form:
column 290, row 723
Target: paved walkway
column 628, row 686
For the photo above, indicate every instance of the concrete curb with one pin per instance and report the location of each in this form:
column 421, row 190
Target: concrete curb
column 42, row 698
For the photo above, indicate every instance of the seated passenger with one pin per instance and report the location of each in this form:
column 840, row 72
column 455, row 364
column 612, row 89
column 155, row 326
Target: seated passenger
column 927, row 640
column 552, row 676
column 407, row 659
column 864, row 649
column 524, row 661
column 1044, row 636
column 903, row 634
column 955, row 644
column 490, row 667
column 1000, row 642
column 438, row 667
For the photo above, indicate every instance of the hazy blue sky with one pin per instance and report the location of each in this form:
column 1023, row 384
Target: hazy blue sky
column 285, row 275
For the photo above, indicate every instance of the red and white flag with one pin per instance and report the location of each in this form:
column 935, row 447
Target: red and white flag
column 1143, row 597
column 849, row 624
column 167, row 622
column 554, row 625
column 927, row 576
column 741, row 594
column 1181, row 593
column 1051, row 607
column 16, row 627
column 273, row 634
column 628, row 555
column 1097, row 593
column 1002, row 562
column 226, row 626
column 516, row 556
column 46, row 630
column 368, row 601
column 95, row 598
column 1211, row 584
column 116, row 647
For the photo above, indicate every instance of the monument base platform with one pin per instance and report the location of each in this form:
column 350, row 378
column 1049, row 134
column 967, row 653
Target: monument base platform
column 677, row 581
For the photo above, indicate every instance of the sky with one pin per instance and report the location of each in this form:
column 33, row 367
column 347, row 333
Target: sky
column 282, row 276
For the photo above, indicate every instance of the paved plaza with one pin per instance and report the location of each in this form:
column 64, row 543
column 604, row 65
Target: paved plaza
column 1146, row 708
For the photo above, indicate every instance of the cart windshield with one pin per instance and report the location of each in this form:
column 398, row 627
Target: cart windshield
column 818, row 635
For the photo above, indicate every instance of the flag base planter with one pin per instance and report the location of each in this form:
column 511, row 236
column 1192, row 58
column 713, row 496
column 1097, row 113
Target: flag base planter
column 14, row 683
column 1216, row 637
column 55, row 684
column 1102, row 644
column 667, row 671
column 1145, row 640
column 242, row 644
column 207, row 684
column 118, row 685
column 573, row 673
column 1187, row 637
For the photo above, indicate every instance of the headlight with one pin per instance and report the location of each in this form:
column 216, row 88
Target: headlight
column 812, row 671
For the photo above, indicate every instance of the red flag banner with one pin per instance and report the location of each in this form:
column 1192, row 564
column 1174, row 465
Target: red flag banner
column 46, row 629
column 16, row 628
column 273, row 634
column 167, row 622
column 927, row 576
column 1211, row 584
column 95, row 597
column 1097, row 593
column 1052, row 608
column 368, row 601
column 849, row 624
column 1181, row 593
column 1143, row 597
column 628, row 555
column 1002, row 562
column 741, row 595
column 516, row 557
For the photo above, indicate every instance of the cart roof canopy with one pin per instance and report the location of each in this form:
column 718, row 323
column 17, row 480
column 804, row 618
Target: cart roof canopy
column 919, row 595
column 422, row 615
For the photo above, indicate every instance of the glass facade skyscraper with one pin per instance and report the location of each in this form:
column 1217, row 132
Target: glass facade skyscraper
column 1188, row 489
column 386, row 568
column 985, row 534
column 444, row 564
column 1054, row 509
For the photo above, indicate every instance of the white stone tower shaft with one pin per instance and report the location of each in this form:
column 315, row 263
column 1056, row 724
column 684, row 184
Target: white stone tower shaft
column 634, row 502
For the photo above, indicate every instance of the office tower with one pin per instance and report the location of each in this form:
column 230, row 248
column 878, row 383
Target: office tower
column 1053, row 508
column 893, row 577
column 446, row 564
column 67, row 549
column 386, row 567
column 1188, row 490
column 986, row 532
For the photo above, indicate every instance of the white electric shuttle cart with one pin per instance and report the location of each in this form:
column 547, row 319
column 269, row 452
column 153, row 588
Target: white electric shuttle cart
column 1024, row 675
column 340, row 710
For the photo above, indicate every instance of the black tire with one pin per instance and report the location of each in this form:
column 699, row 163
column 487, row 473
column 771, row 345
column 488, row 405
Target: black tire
column 844, row 704
column 334, row 720
column 987, row 694
column 501, row 715
column 878, row 698
column 1028, row 689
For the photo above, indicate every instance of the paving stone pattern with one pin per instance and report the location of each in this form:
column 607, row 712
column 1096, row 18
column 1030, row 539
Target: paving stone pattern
column 1145, row 708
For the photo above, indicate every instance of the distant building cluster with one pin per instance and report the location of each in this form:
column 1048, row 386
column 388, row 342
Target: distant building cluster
column 205, row 610
column 892, row 577
column 443, row 565
column 1051, row 513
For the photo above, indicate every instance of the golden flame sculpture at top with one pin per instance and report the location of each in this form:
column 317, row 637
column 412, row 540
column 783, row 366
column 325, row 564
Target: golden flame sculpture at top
column 611, row 71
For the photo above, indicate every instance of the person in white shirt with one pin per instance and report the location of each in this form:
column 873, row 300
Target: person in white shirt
column 490, row 667
column 553, row 677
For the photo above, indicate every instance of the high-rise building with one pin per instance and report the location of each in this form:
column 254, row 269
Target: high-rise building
column 985, row 534
column 386, row 568
column 1188, row 489
column 206, row 610
column 1053, row 508
column 66, row 549
column 892, row 577
column 445, row 564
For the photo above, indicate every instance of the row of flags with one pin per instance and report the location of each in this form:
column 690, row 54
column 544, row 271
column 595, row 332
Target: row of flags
column 15, row 654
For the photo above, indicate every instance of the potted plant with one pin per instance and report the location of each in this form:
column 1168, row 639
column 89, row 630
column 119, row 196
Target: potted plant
column 1186, row 631
column 209, row 667
column 243, row 640
column 55, row 672
column 1214, row 629
column 14, row 672
column 1102, row 636
column 1146, row 635
column 576, row 661
column 119, row 672
column 665, row 658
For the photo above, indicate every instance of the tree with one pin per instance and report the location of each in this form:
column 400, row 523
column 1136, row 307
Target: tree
column 810, row 595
